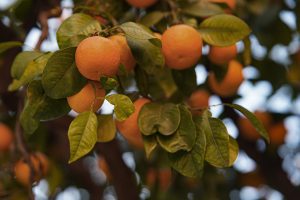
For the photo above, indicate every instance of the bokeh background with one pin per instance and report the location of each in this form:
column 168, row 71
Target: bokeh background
column 261, row 171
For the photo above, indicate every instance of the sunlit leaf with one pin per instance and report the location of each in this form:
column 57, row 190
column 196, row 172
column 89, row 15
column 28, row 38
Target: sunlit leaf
column 123, row 105
column 21, row 61
column 4, row 46
column 33, row 70
column 223, row 30
column 106, row 128
column 82, row 135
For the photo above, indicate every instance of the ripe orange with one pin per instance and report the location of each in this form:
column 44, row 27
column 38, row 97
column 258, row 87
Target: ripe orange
column 198, row 100
column 141, row 3
column 230, row 83
column 129, row 127
column 248, row 131
column 231, row 3
column 277, row 133
column 97, row 56
column 127, row 58
column 6, row 137
column 40, row 166
column 91, row 93
column 222, row 55
column 181, row 46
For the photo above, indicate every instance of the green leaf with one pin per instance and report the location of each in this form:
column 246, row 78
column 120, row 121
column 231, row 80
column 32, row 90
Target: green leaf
column 123, row 105
column 61, row 77
column 106, row 128
column 223, row 30
column 202, row 9
column 33, row 70
column 162, row 118
column 150, row 145
column 185, row 80
column 28, row 123
column 185, row 136
column 191, row 163
column 252, row 118
column 40, row 107
column 4, row 46
column 233, row 150
column 21, row 61
column 144, row 47
column 109, row 83
column 82, row 135
column 152, row 18
column 76, row 28
column 217, row 141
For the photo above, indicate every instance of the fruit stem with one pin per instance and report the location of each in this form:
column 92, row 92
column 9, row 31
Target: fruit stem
column 174, row 10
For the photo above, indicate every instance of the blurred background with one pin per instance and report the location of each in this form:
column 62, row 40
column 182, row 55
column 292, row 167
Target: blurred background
column 271, row 90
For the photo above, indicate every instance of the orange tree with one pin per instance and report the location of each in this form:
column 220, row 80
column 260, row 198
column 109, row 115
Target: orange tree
column 106, row 48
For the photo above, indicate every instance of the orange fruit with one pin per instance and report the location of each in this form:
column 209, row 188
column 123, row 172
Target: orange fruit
column 222, row 55
column 198, row 100
column 230, row 83
column 97, row 56
column 129, row 127
column 40, row 166
column 277, row 133
column 141, row 3
column 127, row 58
column 181, row 46
column 247, row 129
column 231, row 3
column 6, row 137
column 91, row 93
column 102, row 164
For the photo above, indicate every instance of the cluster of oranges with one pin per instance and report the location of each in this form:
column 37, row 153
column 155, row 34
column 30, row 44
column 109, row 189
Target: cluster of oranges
column 182, row 44
column 22, row 170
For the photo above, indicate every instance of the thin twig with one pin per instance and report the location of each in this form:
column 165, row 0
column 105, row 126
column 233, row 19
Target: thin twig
column 21, row 146
column 43, row 20
column 174, row 11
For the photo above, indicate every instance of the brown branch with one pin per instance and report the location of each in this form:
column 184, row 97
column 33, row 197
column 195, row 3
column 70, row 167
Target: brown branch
column 269, row 162
column 174, row 11
column 21, row 145
column 43, row 17
column 123, row 178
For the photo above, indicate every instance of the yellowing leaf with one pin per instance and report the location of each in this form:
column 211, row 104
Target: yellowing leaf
column 82, row 135
column 106, row 128
column 123, row 105
column 223, row 30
